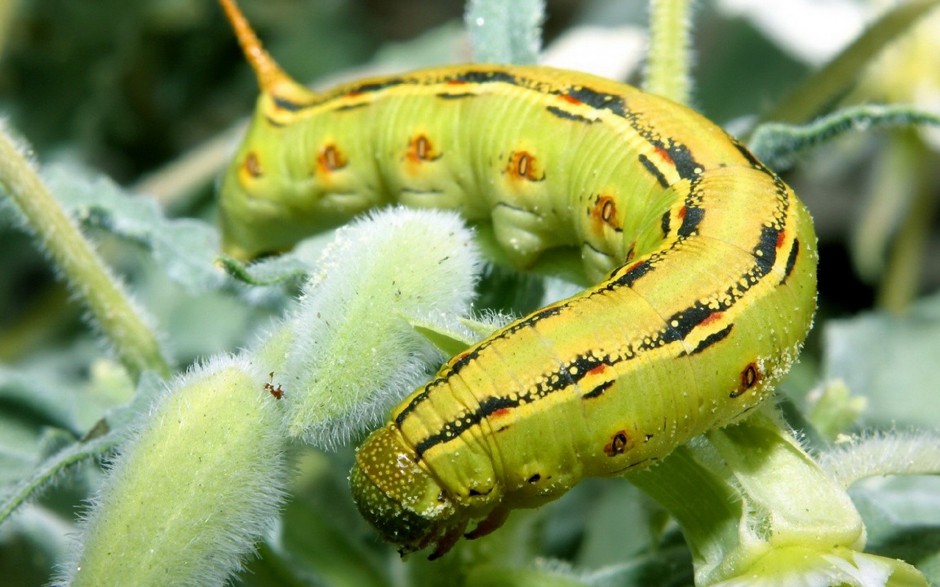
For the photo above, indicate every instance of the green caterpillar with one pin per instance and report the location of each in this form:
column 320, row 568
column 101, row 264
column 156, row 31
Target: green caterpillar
column 705, row 261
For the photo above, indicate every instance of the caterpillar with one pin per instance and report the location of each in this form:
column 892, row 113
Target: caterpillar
column 704, row 262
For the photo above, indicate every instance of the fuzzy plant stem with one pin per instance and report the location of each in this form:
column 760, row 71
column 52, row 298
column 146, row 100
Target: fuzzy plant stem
column 505, row 32
column 110, row 306
column 669, row 62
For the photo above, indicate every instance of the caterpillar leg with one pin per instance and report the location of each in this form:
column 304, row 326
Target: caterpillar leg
column 447, row 540
column 490, row 523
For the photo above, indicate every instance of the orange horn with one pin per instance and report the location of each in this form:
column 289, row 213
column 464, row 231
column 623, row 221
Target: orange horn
column 269, row 73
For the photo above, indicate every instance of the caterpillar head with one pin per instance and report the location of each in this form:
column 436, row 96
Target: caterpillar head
column 405, row 504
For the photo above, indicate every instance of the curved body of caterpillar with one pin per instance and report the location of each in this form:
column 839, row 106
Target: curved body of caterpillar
column 706, row 264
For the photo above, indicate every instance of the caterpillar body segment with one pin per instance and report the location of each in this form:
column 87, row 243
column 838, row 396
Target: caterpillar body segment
column 705, row 264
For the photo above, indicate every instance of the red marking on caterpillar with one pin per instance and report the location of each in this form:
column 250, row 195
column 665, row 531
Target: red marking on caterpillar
column 597, row 370
column 713, row 317
column 570, row 99
column 664, row 155
column 781, row 237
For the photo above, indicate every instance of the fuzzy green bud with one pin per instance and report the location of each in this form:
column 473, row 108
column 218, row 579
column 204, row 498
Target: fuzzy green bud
column 354, row 349
column 193, row 490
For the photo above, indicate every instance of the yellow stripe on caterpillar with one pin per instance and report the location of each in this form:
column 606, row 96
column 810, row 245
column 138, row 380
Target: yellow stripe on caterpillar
column 704, row 262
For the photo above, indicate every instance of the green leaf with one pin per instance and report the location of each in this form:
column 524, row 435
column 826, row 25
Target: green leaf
column 103, row 437
column 185, row 248
column 505, row 32
column 293, row 265
column 834, row 409
column 450, row 343
column 902, row 517
column 892, row 361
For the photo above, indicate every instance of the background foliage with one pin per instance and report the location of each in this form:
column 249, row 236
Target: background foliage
column 124, row 89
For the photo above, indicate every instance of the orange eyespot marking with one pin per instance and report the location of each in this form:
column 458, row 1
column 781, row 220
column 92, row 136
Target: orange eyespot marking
column 330, row 159
column 570, row 99
column 618, row 444
column 605, row 212
column 524, row 165
column 750, row 377
column 251, row 165
column 421, row 149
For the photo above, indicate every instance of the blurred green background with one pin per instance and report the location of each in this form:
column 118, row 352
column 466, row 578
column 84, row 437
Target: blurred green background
column 126, row 89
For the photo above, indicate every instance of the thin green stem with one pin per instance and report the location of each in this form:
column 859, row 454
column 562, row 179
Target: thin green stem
column 779, row 144
column 903, row 271
column 505, row 32
column 882, row 454
column 669, row 63
column 709, row 515
column 110, row 306
column 838, row 76
column 51, row 467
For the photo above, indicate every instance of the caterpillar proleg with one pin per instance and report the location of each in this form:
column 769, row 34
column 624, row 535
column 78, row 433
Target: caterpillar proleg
column 704, row 261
